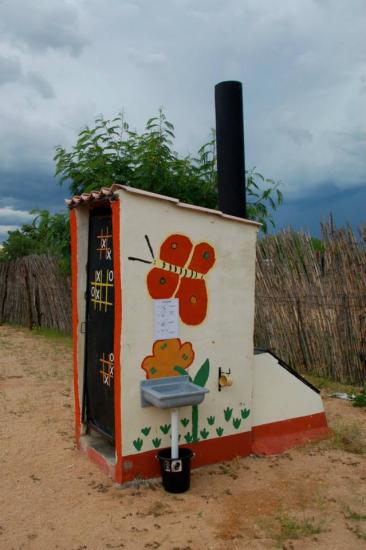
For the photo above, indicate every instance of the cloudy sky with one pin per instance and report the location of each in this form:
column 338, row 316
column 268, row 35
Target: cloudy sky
column 302, row 63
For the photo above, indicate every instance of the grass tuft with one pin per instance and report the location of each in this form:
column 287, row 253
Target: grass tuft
column 293, row 528
column 348, row 437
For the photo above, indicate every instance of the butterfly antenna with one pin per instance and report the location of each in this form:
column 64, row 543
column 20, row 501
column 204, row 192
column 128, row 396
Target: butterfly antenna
column 150, row 247
column 139, row 260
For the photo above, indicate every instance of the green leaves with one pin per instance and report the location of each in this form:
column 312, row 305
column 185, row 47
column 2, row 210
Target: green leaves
column 165, row 428
column 145, row 431
column 211, row 420
column 188, row 437
column 184, row 422
column 46, row 234
column 227, row 413
column 138, row 443
column 219, row 431
column 202, row 374
column 156, row 442
column 263, row 196
column 236, row 423
column 245, row 413
column 204, row 433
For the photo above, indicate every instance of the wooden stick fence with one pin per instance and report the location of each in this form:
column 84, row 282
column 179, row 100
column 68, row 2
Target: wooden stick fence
column 34, row 293
column 311, row 305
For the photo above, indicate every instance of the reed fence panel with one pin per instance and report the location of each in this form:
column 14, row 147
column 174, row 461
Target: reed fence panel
column 311, row 304
column 33, row 293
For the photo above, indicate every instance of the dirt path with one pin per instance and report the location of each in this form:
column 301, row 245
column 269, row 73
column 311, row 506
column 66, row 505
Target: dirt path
column 53, row 497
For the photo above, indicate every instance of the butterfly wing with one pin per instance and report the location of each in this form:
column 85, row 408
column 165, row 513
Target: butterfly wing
column 203, row 258
column 175, row 250
column 192, row 296
column 192, row 293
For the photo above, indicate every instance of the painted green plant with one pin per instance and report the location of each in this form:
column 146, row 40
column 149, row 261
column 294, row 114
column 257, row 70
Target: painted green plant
column 165, row 428
column 138, row 443
column 219, row 431
column 236, row 422
column 156, row 442
column 245, row 413
column 211, row 420
column 145, row 431
column 227, row 413
column 204, row 433
column 184, row 422
column 200, row 380
column 188, row 437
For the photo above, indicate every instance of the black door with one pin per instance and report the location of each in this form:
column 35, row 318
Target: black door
column 99, row 357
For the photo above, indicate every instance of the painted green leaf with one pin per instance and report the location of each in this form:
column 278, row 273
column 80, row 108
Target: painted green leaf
column 184, row 422
column 202, row 374
column 138, row 443
column 227, row 413
column 156, row 442
column 188, row 437
column 211, row 420
column 181, row 370
column 146, row 430
column 165, row 428
column 245, row 413
column 204, row 433
column 236, row 422
column 219, row 431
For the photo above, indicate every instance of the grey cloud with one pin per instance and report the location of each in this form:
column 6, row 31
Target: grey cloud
column 10, row 70
column 10, row 215
column 40, row 84
column 145, row 58
column 300, row 136
column 41, row 25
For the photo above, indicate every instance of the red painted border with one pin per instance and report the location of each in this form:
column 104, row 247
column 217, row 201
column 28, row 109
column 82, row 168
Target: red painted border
column 206, row 452
column 116, row 220
column 75, row 319
column 271, row 438
column 101, row 462
column 276, row 437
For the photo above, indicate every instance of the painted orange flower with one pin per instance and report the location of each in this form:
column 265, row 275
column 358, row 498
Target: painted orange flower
column 168, row 358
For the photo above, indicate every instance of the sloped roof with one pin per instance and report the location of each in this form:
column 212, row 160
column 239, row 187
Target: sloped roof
column 86, row 199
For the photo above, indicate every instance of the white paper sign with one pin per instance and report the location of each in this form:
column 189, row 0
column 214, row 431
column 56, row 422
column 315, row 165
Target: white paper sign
column 166, row 319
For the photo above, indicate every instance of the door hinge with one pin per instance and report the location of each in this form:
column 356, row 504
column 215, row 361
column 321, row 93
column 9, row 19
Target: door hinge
column 83, row 327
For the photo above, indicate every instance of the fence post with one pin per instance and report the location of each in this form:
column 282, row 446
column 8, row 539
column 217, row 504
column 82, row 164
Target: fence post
column 300, row 328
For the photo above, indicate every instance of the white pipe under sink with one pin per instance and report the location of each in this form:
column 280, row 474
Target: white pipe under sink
column 175, row 433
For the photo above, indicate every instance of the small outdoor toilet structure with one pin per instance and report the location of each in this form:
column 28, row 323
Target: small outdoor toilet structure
column 163, row 289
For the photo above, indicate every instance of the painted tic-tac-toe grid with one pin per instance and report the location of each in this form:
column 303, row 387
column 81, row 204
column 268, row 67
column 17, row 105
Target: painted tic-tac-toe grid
column 104, row 244
column 107, row 370
column 103, row 282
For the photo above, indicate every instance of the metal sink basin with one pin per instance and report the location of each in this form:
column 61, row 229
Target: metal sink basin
column 171, row 392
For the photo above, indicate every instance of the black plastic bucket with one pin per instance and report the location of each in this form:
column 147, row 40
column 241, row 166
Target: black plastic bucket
column 175, row 472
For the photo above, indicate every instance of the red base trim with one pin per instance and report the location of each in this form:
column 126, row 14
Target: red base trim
column 101, row 462
column 273, row 438
column 207, row 452
column 276, row 437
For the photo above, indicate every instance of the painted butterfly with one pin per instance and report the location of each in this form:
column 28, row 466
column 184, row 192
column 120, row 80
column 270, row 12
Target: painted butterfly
column 180, row 273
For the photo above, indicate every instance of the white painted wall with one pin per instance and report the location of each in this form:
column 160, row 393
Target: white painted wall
column 82, row 223
column 226, row 335
column 278, row 395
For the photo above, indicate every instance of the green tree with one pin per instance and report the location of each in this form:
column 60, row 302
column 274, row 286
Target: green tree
column 47, row 234
column 110, row 152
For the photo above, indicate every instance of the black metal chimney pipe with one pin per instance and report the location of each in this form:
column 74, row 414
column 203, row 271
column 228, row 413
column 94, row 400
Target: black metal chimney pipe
column 230, row 148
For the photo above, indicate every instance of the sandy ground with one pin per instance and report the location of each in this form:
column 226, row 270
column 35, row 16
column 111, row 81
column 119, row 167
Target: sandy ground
column 52, row 497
